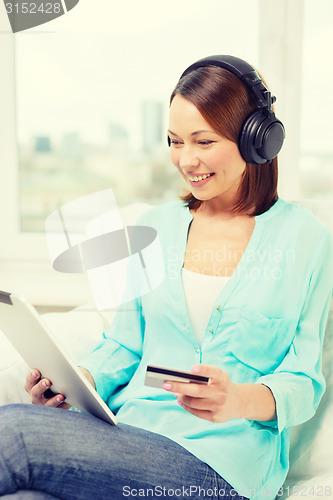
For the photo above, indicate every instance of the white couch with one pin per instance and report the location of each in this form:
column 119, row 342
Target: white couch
column 311, row 455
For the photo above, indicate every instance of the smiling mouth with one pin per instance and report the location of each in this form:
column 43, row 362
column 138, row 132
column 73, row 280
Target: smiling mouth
column 197, row 178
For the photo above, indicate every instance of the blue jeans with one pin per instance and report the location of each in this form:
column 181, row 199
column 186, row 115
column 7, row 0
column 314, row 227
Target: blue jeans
column 50, row 453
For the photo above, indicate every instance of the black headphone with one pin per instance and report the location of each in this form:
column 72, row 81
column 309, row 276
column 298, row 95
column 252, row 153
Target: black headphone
column 262, row 134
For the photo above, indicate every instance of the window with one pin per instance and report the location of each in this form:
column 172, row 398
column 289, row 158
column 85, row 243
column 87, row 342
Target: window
column 316, row 148
column 92, row 107
column 84, row 103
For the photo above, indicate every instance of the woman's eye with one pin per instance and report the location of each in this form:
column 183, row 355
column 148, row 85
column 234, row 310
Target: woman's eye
column 174, row 141
column 205, row 143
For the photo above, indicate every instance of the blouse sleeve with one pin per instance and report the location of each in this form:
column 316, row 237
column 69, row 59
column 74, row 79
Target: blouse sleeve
column 298, row 383
column 113, row 362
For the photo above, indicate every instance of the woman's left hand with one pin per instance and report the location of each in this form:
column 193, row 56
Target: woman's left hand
column 217, row 401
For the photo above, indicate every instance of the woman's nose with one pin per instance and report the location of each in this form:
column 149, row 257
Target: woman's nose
column 188, row 158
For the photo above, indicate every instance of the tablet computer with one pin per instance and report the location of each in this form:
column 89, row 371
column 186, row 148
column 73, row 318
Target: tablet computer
column 31, row 337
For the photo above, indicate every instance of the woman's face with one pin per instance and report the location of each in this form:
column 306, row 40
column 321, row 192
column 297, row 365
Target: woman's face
column 211, row 164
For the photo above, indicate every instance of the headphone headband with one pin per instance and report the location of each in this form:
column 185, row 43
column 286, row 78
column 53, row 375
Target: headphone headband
column 244, row 71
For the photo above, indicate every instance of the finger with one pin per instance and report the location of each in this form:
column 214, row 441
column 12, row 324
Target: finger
column 37, row 392
column 204, row 414
column 57, row 401
column 214, row 373
column 31, row 380
column 88, row 375
column 64, row 406
column 188, row 389
column 197, row 403
column 41, row 394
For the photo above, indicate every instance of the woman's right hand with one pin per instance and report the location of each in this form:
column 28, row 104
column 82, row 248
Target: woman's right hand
column 41, row 393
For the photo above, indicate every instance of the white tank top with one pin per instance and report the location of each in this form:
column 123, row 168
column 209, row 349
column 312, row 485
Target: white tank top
column 201, row 291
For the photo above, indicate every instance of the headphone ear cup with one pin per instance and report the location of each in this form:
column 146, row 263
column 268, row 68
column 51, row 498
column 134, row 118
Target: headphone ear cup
column 261, row 137
column 247, row 138
column 272, row 140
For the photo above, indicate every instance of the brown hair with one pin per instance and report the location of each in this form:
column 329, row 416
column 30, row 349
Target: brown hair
column 225, row 103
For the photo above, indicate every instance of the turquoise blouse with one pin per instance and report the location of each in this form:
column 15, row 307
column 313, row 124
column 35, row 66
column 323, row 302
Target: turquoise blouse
column 266, row 327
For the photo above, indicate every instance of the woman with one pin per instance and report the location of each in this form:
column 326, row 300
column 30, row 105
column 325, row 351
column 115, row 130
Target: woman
column 244, row 302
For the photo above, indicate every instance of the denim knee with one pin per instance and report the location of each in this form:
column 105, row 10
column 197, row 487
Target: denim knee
column 10, row 417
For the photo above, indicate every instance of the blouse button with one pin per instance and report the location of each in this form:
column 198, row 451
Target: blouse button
column 211, row 330
column 218, row 308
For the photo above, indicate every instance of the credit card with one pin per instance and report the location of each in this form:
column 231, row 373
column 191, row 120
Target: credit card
column 157, row 375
